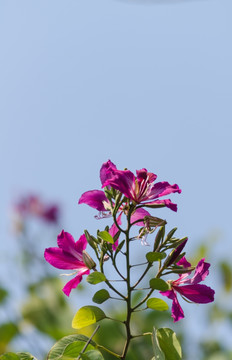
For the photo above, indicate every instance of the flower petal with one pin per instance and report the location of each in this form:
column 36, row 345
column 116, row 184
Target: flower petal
column 183, row 262
column 81, row 244
column 94, row 198
column 197, row 293
column 139, row 214
column 163, row 188
column 106, row 171
column 177, row 311
column 61, row 259
column 121, row 180
column 162, row 203
column 114, row 230
column 65, row 241
column 201, row 271
column 72, row 284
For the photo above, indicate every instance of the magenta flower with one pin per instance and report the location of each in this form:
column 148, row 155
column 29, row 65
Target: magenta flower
column 97, row 198
column 140, row 188
column 189, row 288
column 32, row 205
column 68, row 255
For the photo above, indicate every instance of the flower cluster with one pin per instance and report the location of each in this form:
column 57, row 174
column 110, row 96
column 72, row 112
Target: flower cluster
column 126, row 194
column 32, row 205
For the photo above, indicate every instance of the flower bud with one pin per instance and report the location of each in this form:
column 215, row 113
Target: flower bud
column 88, row 260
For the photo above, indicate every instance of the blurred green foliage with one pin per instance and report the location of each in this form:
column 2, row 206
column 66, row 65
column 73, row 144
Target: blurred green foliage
column 47, row 310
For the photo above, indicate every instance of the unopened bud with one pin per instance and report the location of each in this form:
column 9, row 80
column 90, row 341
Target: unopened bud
column 88, row 260
column 152, row 221
column 183, row 270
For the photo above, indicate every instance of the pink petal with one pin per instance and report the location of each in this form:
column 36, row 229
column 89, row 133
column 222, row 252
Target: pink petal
column 114, row 230
column 197, row 293
column 106, row 171
column 144, row 175
column 72, row 284
column 94, row 198
column 65, row 241
column 177, row 311
column 201, row 271
column 81, row 244
column 183, row 262
column 61, row 259
column 123, row 181
column 139, row 214
column 163, row 188
column 162, row 203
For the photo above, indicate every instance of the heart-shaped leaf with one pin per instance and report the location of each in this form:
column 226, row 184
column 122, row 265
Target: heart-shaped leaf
column 87, row 315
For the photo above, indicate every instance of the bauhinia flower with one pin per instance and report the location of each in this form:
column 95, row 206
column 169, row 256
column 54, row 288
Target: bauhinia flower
column 70, row 255
column 33, row 206
column 189, row 288
column 140, row 189
column 97, row 198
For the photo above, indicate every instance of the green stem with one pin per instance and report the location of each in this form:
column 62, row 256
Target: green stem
column 88, row 342
column 129, row 289
column 109, row 351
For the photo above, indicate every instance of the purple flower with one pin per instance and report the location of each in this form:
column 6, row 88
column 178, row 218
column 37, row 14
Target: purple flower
column 140, row 189
column 32, row 205
column 97, row 198
column 68, row 255
column 189, row 288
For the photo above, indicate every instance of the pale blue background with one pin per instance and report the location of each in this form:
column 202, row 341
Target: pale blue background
column 144, row 83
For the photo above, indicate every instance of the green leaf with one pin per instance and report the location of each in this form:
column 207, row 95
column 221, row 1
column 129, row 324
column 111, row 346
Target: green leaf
column 157, row 304
column 101, row 296
column 92, row 355
column 25, row 356
column 73, row 350
column 159, row 355
column 105, row 236
column 87, row 315
column 7, row 332
column 155, row 256
column 9, row 356
column 158, row 284
column 58, row 350
column 95, row 277
column 169, row 344
column 3, row 294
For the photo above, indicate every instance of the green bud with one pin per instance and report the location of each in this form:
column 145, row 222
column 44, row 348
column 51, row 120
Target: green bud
column 159, row 237
column 91, row 240
column 170, row 234
column 88, row 260
column 182, row 270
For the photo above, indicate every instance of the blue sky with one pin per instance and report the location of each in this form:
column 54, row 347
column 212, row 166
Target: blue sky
column 143, row 83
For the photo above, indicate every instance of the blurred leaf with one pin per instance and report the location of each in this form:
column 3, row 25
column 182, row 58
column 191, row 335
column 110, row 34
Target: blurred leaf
column 3, row 294
column 226, row 273
column 87, row 315
column 101, row 296
column 157, row 304
column 7, row 332
column 159, row 355
column 169, row 344
column 159, row 284
column 25, row 356
column 92, row 355
column 95, row 278
column 47, row 308
column 155, row 256
column 64, row 346
column 9, row 356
